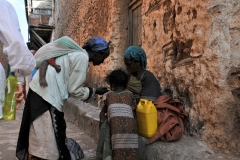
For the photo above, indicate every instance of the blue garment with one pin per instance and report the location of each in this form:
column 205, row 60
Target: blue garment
column 136, row 53
column 97, row 44
column 33, row 72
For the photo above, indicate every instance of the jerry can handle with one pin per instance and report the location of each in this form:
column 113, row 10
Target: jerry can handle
column 143, row 101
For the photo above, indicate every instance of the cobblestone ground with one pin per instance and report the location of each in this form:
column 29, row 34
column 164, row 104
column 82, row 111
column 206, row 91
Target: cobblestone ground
column 9, row 134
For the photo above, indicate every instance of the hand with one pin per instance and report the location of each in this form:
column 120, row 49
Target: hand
column 57, row 68
column 19, row 95
column 43, row 82
column 101, row 90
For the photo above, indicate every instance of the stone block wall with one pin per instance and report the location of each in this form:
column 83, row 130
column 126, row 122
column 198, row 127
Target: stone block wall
column 192, row 47
column 39, row 19
column 40, row 13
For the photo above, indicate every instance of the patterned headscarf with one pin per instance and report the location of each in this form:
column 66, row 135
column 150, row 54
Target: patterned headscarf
column 96, row 44
column 138, row 54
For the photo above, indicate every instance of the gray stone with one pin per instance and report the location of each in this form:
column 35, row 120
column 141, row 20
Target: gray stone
column 83, row 115
column 187, row 148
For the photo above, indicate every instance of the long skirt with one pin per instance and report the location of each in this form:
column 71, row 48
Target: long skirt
column 118, row 138
column 124, row 137
column 34, row 135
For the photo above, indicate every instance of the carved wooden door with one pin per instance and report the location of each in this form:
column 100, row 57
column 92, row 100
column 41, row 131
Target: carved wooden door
column 135, row 22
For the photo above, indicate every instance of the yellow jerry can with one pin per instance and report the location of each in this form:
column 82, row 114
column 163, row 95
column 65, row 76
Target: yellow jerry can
column 9, row 108
column 146, row 118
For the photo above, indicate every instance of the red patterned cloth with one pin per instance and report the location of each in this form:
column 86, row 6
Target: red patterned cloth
column 51, row 61
column 123, row 126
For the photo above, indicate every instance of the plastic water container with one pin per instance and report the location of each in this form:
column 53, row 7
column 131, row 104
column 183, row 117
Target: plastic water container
column 146, row 118
column 9, row 108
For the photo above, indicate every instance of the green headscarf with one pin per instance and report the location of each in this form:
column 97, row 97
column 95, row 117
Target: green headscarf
column 136, row 53
column 57, row 48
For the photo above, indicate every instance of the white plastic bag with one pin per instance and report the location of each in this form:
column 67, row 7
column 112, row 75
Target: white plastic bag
column 2, row 88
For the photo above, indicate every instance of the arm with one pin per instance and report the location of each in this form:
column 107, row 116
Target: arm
column 52, row 62
column 20, row 58
column 134, row 106
column 79, row 67
column 151, row 89
column 42, row 73
column 78, row 70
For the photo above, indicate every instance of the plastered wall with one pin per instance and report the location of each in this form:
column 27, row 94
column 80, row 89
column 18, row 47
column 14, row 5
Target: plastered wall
column 192, row 48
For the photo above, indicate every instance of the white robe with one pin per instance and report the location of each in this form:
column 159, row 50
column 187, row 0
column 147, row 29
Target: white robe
column 20, row 58
column 69, row 81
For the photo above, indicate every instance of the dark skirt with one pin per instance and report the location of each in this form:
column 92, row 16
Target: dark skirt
column 34, row 107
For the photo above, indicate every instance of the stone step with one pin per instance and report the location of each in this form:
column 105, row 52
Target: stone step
column 83, row 115
column 86, row 117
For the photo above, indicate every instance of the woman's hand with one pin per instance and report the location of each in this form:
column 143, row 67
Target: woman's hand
column 101, row 90
column 19, row 95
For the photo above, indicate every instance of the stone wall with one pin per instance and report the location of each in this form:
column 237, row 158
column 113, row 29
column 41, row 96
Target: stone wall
column 192, row 47
column 39, row 19
column 41, row 12
column 82, row 20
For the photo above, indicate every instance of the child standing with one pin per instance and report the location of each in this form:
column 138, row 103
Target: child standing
column 118, row 134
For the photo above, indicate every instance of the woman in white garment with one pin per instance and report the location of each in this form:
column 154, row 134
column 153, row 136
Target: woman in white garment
column 43, row 130
column 20, row 58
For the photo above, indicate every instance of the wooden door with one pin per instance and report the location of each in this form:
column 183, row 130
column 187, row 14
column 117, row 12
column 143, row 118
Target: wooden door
column 135, row 22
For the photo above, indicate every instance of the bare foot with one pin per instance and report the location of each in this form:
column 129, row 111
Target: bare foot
column 57, row 68
column 43, row 82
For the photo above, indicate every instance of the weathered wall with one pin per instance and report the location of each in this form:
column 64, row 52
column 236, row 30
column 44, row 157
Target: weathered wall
column 192, row 46
column 41, row 12
column 39, row 19
column 82, row 20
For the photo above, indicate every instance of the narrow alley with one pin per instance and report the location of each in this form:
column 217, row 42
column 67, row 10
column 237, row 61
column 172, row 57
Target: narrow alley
column 9, row 134
column 182, row 52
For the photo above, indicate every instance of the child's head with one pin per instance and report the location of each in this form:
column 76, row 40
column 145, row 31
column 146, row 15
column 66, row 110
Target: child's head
column 117, row 78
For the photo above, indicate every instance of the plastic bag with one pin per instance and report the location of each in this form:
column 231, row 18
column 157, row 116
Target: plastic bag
column 74, row 148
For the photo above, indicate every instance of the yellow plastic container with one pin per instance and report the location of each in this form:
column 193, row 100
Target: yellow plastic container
column 146, row 118
column 9, row 108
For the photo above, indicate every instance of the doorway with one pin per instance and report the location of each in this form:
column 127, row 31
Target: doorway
column 135, row 23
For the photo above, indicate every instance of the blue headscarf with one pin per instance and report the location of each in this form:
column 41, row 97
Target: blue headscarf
column 96, row 44
column 138, row 54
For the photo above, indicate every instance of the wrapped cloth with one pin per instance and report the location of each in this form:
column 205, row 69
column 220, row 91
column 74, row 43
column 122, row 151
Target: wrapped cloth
column 171, row 114
column 56, row 48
